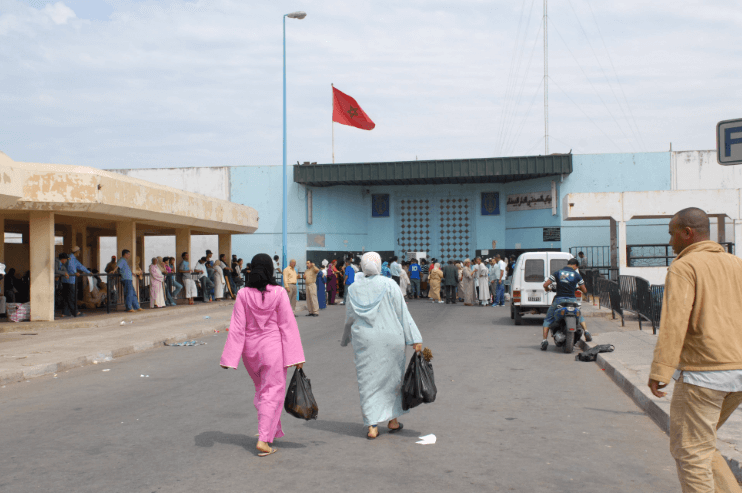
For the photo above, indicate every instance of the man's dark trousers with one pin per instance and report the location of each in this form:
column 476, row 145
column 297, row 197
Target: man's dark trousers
column 69, row 304
column 396, row 279
column 206, row 287
column 451, row 294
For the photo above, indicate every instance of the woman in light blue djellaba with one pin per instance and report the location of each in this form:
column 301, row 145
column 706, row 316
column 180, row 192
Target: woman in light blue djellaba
column 379, row 326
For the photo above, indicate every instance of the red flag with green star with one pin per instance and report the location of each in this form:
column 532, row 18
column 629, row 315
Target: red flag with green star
column 347, row 111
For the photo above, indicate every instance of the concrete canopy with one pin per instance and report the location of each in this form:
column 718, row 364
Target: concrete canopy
column 102, row 197
column 81, row 204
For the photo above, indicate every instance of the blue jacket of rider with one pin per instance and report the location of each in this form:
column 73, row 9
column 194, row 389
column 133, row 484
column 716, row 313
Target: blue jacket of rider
column 567, row 281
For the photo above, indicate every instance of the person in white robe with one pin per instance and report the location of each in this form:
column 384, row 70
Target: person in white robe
column 404, row 281
column 219, row 281
column 483, row 278
column 379, row 326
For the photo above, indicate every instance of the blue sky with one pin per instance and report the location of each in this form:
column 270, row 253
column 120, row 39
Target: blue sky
column 130, row 84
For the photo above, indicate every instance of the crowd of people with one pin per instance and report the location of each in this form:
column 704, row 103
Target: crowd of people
column 481, row 282
column 77, row 286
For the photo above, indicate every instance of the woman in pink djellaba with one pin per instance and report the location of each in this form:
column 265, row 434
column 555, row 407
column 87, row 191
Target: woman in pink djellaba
column 264, row 333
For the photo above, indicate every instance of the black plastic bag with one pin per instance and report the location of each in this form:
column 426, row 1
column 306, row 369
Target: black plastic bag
column 592, row 353
column 418, row 386
column 299, row 400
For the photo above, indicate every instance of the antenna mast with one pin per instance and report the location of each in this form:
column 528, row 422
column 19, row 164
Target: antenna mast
column 546, row 81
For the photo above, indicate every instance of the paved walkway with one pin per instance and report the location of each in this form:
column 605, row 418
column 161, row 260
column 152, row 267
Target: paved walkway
column 629, row 365
column 45, row 348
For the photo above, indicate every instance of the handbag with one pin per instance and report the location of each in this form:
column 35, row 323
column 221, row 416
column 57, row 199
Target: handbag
column 300, row 401
column 418, row 386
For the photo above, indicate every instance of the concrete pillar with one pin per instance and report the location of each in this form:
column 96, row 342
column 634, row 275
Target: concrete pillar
column 85, row 253
column 225, row 247
column 614, row 243
column 95, row 252
column 41, row 232
column 2, row 240
column 143, row 263
column 126, row 234
column 182, row 244
column 738, row 237
column 721, row 226
column 622, row 245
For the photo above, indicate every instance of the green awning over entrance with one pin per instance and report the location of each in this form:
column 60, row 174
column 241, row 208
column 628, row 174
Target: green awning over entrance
column 453, row 171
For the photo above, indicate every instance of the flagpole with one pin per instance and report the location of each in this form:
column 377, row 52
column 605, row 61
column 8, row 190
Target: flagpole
column 333, row 122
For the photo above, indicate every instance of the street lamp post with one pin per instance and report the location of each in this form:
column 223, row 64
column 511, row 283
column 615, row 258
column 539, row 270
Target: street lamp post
column 293, row 15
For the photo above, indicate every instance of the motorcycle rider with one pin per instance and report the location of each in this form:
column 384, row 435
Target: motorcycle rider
column 567, row 281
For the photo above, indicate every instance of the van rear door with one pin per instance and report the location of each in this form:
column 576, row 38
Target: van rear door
column 534, row 275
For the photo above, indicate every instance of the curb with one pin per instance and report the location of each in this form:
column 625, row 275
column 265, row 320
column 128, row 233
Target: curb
column 656, row 413
column 99, row 357
column 114, row 319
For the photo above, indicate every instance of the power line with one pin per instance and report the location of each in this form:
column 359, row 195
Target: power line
column 512, row 117
column 510, row 72
column 586, row 115
column 510, row 104
column 615, row 72
column 591, row 83
column 525, row 118
column 597, row 59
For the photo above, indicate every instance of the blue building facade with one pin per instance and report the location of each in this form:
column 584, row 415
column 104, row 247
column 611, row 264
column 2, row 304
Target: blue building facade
column 445, row 220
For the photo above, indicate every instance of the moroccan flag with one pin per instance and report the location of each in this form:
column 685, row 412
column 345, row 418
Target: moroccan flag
column 346, row 110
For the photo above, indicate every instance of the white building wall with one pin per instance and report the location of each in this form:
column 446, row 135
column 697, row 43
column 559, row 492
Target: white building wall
column 699, row 170
column 212, row 182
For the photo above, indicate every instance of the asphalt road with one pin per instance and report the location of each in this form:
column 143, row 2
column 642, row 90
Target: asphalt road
column 508, row 418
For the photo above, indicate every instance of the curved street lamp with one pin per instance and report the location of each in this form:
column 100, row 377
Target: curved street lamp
column 293, row 15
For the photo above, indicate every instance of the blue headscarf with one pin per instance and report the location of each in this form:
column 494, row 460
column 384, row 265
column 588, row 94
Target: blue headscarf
column 385, row 270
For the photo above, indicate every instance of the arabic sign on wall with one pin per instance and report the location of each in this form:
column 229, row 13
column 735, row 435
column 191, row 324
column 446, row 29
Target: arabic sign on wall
column 529, row 201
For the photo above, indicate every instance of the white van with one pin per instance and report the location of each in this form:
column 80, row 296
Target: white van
column 527, row 289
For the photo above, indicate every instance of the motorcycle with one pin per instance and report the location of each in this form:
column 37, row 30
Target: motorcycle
column 566, row 329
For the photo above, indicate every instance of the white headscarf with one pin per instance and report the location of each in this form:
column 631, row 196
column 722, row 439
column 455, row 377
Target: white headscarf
column 371, row 264
column 324, row 263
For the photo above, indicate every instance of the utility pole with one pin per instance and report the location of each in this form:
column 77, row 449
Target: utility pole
column 546, row 80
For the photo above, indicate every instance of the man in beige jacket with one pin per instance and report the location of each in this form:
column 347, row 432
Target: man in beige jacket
column 310, row 284
column 289, row 282
column 700, row 346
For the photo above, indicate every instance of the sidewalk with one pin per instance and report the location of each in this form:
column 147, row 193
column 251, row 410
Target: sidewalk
column 34, row 349
column 628, row 366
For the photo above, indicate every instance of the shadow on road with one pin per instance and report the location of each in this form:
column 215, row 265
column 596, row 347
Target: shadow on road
column 353, row 429
column 209, row 438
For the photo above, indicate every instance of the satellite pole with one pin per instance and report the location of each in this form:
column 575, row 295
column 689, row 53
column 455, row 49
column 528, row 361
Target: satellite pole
column 546, row 80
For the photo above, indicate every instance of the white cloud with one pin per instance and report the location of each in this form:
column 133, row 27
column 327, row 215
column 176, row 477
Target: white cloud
column 59, row 13
column 177, row 83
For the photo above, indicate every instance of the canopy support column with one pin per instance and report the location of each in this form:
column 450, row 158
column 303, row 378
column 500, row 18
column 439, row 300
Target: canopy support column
column 41, row 264
column 182, row 244
column 225, row 247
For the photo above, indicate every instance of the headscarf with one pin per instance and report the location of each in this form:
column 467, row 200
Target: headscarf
column 161, row 265
column 262, row 273
column 385, row 270
column 371, row 264
column 438, row 266
column 324, row 263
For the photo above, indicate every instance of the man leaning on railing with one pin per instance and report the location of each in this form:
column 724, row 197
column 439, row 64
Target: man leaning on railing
column 700, row 346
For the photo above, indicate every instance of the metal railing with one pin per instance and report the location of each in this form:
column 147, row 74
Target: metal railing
column 656, row 255
column 595, row 256
column 629, row 293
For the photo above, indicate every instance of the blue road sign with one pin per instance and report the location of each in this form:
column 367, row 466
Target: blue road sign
column 729, row 142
